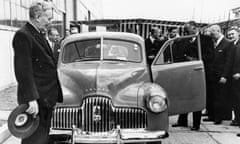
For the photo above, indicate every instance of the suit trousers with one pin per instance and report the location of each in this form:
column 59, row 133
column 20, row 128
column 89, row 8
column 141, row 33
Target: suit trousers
column 41, row 135
column 236, row 99
column 183, row 120
column 222, row 102
column 210, row 99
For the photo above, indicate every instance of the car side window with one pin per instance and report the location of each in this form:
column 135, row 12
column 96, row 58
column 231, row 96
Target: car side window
column 179, row 50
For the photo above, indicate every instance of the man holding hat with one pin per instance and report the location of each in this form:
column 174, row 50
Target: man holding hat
column 36, row 71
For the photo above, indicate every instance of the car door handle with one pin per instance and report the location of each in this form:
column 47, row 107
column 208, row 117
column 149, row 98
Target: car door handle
column 198, row 68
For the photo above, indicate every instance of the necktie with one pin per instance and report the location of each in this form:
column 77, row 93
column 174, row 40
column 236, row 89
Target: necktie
column 43, row 34
column 215, row 43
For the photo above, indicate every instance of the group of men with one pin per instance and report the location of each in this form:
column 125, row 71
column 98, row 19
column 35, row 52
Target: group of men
column 35, row 56
column 223, row 95
column 221, row 58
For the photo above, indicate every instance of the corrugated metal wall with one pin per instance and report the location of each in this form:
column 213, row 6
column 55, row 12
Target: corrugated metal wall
column 143, row 29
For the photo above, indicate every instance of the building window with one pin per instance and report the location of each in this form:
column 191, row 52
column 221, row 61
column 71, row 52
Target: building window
column 15, row 13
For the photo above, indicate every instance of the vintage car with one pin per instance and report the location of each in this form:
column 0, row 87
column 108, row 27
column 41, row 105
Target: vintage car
column 111, row 94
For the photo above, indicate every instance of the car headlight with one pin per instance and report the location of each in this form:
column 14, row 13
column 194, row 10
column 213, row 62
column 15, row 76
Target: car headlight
column 157, row 103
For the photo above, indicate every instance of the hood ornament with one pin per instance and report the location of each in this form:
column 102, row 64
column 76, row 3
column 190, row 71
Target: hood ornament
column 96, row 113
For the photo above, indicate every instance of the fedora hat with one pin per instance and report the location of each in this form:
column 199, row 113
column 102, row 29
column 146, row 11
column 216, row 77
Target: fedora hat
column 21, row 124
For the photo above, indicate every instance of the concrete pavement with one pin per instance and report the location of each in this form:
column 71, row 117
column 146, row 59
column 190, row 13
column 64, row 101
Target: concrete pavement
column 8, row 101
column 208, row 134
column 4, row 133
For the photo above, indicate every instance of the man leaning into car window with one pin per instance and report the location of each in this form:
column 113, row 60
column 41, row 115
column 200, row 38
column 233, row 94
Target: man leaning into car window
column 191, row 53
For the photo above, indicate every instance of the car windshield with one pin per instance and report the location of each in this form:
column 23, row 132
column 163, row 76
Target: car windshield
column 112, row 50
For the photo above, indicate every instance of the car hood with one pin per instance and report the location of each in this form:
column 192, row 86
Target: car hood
column 120, row 81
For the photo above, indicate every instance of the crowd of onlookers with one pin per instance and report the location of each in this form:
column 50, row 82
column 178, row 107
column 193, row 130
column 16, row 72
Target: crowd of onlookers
column 221, row 58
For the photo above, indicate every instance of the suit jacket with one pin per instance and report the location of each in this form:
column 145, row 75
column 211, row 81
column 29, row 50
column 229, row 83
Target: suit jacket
column 236, row 64
column 56, row 50
column 178, row 51
column 35, row 68
column 207, row 49
column 152, row 48
column 223, row 61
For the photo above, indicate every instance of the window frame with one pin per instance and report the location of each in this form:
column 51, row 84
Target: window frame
column 101, row 42
column 166, row 44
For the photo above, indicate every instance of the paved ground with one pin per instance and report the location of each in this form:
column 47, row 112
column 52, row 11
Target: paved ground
column 2, row 122
column 8, row 98
column 208, row 134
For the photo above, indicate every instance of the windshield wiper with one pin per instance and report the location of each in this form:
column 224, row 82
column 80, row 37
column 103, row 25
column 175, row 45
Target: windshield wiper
column 86, row 59
column 123, row 60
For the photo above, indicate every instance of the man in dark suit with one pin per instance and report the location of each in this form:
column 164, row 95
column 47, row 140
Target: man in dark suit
column 177, row 51
column 191, row 53
column 36, row 71
column 233, row 35
column 153, row 44
column 209, row 89
column 221, row 74
column 54, row 41
column 173, row 32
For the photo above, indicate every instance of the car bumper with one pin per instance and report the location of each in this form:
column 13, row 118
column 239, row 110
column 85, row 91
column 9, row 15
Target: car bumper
column 114, row 136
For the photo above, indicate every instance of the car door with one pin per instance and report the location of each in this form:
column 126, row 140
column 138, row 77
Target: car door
column 183, row 78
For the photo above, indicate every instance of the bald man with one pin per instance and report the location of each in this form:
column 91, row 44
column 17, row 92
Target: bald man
column 221, row 74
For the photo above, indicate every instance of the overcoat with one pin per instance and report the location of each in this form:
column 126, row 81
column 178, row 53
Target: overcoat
column 35, row 68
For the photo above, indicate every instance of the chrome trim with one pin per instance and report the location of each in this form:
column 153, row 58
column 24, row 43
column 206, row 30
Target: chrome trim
column 108, row 116
column 114, row 136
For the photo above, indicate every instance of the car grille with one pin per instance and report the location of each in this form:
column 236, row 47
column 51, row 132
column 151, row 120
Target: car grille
column 97, row 114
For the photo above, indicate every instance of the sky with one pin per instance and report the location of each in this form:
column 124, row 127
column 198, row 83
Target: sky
column 208, row 11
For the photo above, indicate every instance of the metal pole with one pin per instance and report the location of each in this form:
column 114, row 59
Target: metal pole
column 75, row 10
column 10, row 3
column 228, row 22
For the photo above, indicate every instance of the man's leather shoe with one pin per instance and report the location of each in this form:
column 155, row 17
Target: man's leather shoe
column 217, row 122
column 195, row 128
column 205, row 113
column 179, row 125
column 234, row 123
column 208, row 119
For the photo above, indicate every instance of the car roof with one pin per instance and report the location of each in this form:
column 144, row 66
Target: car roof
column 111, row 35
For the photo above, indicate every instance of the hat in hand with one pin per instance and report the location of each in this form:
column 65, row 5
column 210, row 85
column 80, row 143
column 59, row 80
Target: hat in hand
column 21, row 124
